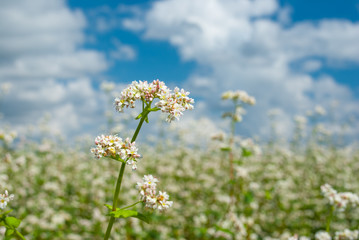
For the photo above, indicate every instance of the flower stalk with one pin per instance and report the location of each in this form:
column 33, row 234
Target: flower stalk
column 174, row 104
column 119, row 179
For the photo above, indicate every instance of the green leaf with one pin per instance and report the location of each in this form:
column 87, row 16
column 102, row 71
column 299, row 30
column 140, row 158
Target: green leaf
column 139, row 116
column 232, row 182
column 224, row 230
column 108, row 206
column 7, row 212
column 124, row 213
column 246, row 152
column 155, row 109
column 226, row 149
column 248, row 197
column 268, row 195
column 146, row 119
column 239, row 162
column 9, row 232
column 12, row 222
column 119, row 159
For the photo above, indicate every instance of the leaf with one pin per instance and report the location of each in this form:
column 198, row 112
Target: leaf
column 268, row 195
column 119, row 159
column 248, row 197
column 239, row 162
column 146, row 119
column 226, row 149
column 7, row 212
column 155, row 109
column 224, row 230
column 232, row 182
column 124, row 213
column 246, row 152
column 9, row 232
column 139, row 116
column 108, row 206
column 12, row 222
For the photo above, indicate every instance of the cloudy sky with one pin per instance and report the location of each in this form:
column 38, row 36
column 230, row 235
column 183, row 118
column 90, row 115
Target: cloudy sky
column 291, row 55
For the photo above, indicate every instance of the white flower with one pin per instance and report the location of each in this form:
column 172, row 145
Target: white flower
column 5, row 198
column 339, row 200
column 162, row 201
column 172, row 103
column 295, row 237
column 322, row 235
column 148, row 195
column 112, row 146
column 346, row 235
column 239, row 95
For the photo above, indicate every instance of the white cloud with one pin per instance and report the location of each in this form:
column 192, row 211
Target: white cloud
column 43, row 58
column 123, row 51
column 244, row 48
column 73, row 106
column 284, row 15
column 311, row 65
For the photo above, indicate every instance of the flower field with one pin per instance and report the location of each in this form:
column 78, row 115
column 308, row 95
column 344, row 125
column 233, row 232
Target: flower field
column 232, row 188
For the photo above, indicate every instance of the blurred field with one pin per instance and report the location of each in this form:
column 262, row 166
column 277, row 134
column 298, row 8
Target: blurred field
column 60, row 191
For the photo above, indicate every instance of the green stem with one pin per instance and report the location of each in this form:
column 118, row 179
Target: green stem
column 139, row 126
column 231, row 146
column 20, row 235
column 132, row 205
column 119, row 179
column 329, row 220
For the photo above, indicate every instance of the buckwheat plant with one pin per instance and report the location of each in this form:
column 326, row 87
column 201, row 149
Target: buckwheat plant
column 10, row 223
column 173, row 103
column 338, row 201
column 239, row 98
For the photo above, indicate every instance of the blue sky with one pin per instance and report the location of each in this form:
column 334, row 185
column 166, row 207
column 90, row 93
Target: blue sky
column 158, row 59
column 292, row 55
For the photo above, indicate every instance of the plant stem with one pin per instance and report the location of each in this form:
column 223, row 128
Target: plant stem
column 115, row 199
column 20, row 235
column 330, row 219
column 230, row 154
column 119, row 179
column 139, row 126
column 131, row 205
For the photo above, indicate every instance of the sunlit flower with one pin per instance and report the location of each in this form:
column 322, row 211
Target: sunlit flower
column 5, row 198
column 295, row 237
column 339, row 200
column 162, row 201
column 346, row 235
column 147, row 189
column 322, row 235
column 112, row 146
column 7, row 137
column 239, row 95
column 172, row 103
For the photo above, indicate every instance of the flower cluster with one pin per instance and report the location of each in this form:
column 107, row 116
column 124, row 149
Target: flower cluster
column 346, row 235
column 7, row 137
column 148, row 194
column 114, row 147
column 173, row 103
column 322, row 235
column 5, row 198
column 339, row 200
column 239, row 95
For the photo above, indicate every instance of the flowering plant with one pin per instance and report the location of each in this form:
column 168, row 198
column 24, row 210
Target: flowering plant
column 112, row 146
column 10, row 223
